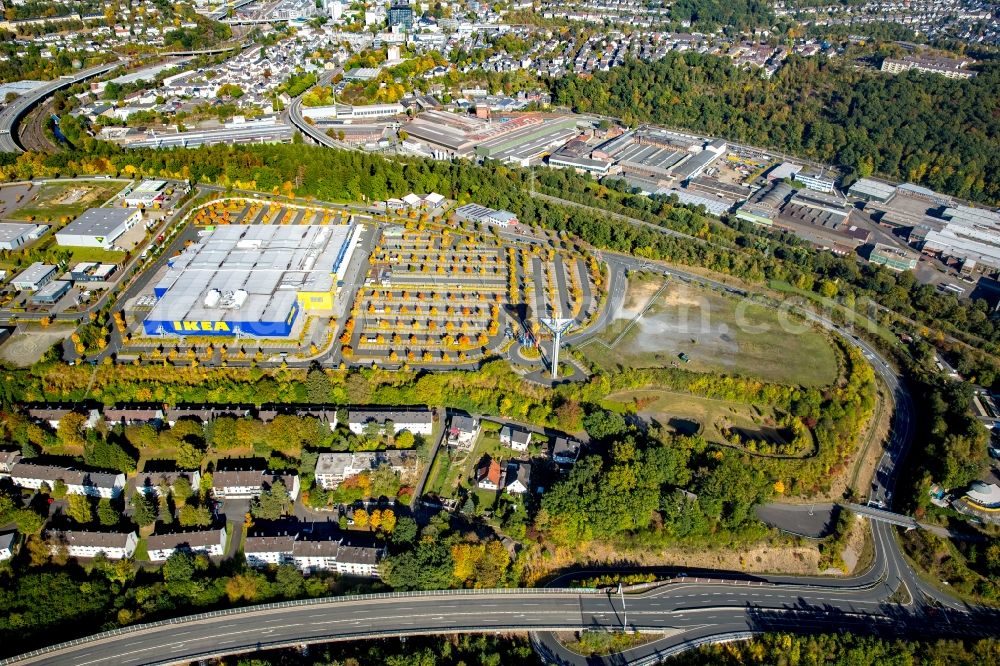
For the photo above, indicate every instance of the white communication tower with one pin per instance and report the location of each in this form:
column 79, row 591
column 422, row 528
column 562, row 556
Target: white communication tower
column 558, row 327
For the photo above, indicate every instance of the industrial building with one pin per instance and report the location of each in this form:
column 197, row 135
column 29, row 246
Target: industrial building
column 892, row 258
column 13, row 234
column 252, row 280
column 90, row 271
column 695, row 165
column 765, row 204
column 872, row 190
column 522, row 140
column 816, row 180
column 526, row 138
column 476, row 213
column 969, row 234
column 34, row 277
column 351, row 112
column 146, row 194
column 98, row 227
column 717, row 207
column 52, row 292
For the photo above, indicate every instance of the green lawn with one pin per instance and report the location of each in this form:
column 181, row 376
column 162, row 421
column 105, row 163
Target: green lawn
column 717, row 332
column 52, row 201
column 94, row 254
column 690, row 414
column 141, row 552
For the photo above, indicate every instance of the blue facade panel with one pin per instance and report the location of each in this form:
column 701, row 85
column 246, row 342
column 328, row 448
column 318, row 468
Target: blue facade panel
column 227, row 329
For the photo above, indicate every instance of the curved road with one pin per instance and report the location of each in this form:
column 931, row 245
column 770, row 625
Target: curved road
column 889, row 598
column 20, row 106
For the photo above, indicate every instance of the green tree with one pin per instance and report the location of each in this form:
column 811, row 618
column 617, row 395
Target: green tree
column 272, row 503
column 179, row 567
column 143, row 510
column 79, row 509
column 107, row 514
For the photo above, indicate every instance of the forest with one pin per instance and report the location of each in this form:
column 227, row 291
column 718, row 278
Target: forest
column 927, row 129
column 47, row 593
column 840, row 650
column 451, row 650
column 732, row 14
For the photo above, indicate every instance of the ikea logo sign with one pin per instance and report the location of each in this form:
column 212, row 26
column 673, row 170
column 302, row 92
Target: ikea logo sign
column 201, row 327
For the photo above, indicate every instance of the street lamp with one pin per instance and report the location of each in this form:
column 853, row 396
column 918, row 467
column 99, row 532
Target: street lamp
column 621, row 591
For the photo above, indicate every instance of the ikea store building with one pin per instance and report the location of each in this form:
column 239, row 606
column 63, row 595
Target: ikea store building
column 252, row 280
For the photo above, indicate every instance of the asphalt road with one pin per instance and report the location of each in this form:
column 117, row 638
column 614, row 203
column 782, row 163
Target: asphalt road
column 16, row 109
column 686, row 609
column 889, row 598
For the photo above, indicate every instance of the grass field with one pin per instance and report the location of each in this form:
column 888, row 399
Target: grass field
column 717, row 332
column 95, row 254
column 54, row 200
column 689, row 414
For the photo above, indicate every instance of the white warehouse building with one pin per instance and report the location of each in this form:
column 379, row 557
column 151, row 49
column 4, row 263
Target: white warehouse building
column 98, row 227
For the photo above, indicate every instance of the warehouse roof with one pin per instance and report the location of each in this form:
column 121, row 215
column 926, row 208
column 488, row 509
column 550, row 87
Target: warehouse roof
column 98, row 221
column 872, row 188
column 34, row 273
column 10, row 231
column 251, row 272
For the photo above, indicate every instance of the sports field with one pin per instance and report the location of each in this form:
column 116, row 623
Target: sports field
column 661, row 320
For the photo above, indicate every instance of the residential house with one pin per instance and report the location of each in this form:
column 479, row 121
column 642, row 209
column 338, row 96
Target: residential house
column 53, row 414
column 417, row 421
column 84, row 543
column 488, row 474
column 95, row 484
column 233, row 484
column 311, row 553
column 462, row 431
column 7, row 542
column 322, row 414
column 204, row 414
column 515, row 438
column 132, row 415
column 149, row 482
column 50, row 415
column 518, row 479
column 565, row 451
column 333, row 468
column 7, row 460
column 211, row 542
column 262, row 551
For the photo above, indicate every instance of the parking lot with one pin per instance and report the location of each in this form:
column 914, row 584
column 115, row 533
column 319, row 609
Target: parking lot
column 251, row 211
column 453, row 295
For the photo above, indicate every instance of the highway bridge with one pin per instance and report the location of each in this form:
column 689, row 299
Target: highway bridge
column 20, row 106
column 687, row 610
column 221, row 12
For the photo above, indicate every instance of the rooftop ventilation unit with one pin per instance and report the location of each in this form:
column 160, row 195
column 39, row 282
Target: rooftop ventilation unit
column 233, row 300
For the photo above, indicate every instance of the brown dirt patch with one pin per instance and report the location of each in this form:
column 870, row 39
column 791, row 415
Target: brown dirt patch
column 761, row 558
column 638, row 296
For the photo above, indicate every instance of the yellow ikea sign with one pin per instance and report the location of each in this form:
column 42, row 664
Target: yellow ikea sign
column 201, row 327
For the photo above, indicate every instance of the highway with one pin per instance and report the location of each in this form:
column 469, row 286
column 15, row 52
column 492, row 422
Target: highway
column 20, row 106
column 888, row 599
column 317, row 135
